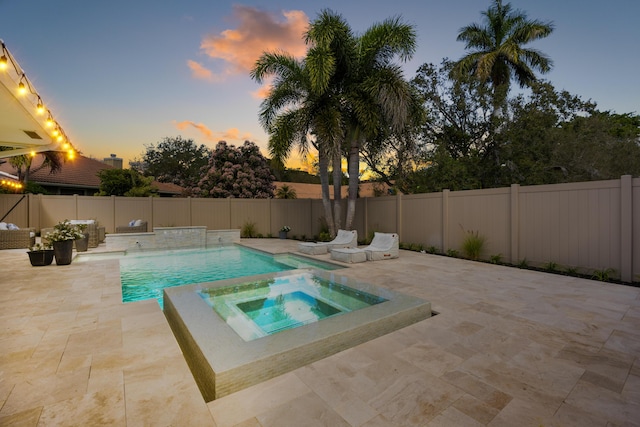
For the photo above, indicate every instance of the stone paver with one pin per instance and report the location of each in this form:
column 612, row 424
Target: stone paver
column 507, row 347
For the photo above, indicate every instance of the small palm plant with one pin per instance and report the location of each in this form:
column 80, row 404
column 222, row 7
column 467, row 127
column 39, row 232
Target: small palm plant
column 285, row 192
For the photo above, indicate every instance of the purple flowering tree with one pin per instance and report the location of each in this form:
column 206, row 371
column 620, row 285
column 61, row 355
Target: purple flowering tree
column 241, row 172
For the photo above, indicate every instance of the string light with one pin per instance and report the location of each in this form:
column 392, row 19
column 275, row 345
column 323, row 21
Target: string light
column 22, row 89
column 26, row 89
column 40, row 106
column 3, row 58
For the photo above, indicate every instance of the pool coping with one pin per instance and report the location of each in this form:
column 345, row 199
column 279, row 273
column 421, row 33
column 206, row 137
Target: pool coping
column 223, row 363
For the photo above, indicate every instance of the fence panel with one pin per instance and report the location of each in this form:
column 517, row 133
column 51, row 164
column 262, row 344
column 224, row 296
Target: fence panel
column 635, row 233
column 126, row 209
column 422, row 220
column 54, row 209
column 17, row 207
column 257, row 211
column 215, row 214
column 294, row 213
column 486, row 212
column 100, row 209
column 171, row 212
column 573, row 225
column 382, row 215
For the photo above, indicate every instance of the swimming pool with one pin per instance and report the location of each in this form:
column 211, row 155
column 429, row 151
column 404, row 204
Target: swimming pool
column 144, row 275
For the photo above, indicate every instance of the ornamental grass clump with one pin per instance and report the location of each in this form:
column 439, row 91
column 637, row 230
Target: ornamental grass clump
column 473, row 244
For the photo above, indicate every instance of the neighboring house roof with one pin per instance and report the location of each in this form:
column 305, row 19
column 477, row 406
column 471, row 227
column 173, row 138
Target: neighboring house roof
column 81, row 173
column 314, row 191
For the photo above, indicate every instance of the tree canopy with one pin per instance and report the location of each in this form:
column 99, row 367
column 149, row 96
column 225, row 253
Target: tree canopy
column 125, row 182
column 173, row 160
column 241, row 172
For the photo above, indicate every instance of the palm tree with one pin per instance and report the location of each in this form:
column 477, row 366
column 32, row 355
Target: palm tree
column 285, row 192
column 344, row 90
column 497, row 52
column 300, row 112
column 373, row 92
column 52, row 160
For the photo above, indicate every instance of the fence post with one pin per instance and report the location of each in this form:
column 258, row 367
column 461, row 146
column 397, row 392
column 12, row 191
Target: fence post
column 152, row 209
column 515, row 222
column 399, row 213
column 113, row 213
column 626, row 228
column 445, row 220
column 366, row 217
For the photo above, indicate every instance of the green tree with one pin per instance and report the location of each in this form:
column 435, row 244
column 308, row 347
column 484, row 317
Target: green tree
column 241, row 172
column 173, row 160
column 556, row 137
column 454, row 144
column 125, row 182
column 498, row 51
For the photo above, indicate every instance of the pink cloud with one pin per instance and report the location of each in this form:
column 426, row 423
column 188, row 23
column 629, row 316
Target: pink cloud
column 231, row 134
column 199, row 71
column 257, row 31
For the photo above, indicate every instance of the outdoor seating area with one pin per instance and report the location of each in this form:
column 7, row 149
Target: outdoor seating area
column 134, row 226
column 17, row 238
column 382, row 246
column 507, row 347
column 344, row 239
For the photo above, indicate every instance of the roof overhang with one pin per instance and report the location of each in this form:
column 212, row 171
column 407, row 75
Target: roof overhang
column 23, row 130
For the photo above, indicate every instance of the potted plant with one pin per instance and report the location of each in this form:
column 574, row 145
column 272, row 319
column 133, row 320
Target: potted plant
column 62, row 237
column 40, row 254
column 283, row 231
column 82, row 244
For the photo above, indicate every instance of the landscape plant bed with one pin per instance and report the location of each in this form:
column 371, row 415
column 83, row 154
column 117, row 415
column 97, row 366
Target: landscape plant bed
column 597, row 275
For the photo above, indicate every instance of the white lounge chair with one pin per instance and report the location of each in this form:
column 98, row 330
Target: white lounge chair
column 344, row 239
column 383, row 246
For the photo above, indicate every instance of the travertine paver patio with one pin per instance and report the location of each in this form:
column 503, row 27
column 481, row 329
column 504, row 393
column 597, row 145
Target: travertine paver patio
column 508, row 348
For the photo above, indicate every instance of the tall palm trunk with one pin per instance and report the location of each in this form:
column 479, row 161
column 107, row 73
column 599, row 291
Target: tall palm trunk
column 354, row 179
column 337, row 191
column 323, row 165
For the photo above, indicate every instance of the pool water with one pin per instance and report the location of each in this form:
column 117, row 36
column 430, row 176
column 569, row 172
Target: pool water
column 259, row 308
column 144, row 275
column 286, row 311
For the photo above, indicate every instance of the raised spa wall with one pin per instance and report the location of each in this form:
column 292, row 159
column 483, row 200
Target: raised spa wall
column 172, row 238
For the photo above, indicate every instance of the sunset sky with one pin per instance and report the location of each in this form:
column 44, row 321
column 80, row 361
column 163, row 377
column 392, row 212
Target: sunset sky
column 120, row 74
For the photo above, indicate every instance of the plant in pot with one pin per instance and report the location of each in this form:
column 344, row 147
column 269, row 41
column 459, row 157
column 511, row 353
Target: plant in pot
column 283, row 231
column 62, row 237
column 40, row 254
column 82, row 244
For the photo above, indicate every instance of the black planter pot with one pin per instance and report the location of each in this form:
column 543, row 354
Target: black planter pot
column 63, row 252
column 40, row 258
column 283, row 234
